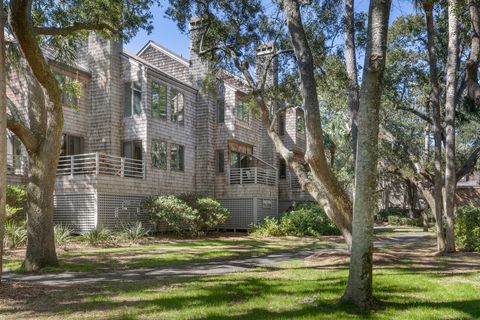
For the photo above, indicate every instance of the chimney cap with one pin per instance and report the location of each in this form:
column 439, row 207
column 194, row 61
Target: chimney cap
column 266, row 48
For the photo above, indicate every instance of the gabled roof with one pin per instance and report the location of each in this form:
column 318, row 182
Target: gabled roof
column 166, row 51
column 153, row 68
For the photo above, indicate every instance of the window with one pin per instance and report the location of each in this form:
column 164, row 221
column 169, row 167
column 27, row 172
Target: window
column 159, row 154
column 282, row 168
column 69, row 99
column 238, row 160
column 242, row 111
column 300, row 123
column 221, row 104
column 177, row 161
column 133, row 98
column 220, row 159
column 281, row 124
column 159, row 101
column 132, row 150
column 72, row 145
column 177, row 103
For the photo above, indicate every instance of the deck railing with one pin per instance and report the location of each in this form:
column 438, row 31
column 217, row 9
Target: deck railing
column 100, row 164
column 252, row 175
column 17, row 164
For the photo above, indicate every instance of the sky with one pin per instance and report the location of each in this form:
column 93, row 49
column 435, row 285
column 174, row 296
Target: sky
column 166, row 33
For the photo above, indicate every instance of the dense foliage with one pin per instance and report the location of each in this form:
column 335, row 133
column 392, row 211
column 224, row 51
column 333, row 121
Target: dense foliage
column 186, row 214
column 63, row 234
column 304, row 219
column 15, row 234
column 467, row 228
column 16, row 201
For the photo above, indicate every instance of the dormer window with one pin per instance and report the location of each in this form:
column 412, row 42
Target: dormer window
column 133, row 98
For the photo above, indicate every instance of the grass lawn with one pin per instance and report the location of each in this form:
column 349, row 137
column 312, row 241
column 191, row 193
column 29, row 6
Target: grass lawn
column 410, row 283
column 156, row 253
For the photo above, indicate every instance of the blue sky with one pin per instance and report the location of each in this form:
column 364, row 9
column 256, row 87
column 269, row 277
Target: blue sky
column 166, row 33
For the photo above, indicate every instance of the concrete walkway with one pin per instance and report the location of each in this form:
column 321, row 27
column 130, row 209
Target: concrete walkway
column 66, row 279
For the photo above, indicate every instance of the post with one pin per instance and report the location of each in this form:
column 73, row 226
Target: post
column 97, row 163
column 71, row 165
column 228, row 173
column 122, row 167
column 144, row 168
column 241, row 175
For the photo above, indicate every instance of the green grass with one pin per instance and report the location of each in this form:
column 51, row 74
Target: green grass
column 172, row 252
column 293, row 291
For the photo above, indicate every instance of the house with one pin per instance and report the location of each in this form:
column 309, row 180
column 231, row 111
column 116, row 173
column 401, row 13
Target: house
column 144, row 127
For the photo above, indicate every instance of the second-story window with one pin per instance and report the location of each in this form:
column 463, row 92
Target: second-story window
column 159, row 154
column 281, row 124
column 177, row 104
column 282, row 168
column 242, row 111
column 69, row 87
column 159, row 101
column 133, row 98
column 221, row 103
column 300, row 123
column 220, row 159
column 177, row 157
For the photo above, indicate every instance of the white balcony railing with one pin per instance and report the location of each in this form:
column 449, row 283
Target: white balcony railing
column 252, row 175
column 100, row 164
column 17, row 164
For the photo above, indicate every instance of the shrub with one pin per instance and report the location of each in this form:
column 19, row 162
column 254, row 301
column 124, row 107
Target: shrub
column 383, row 214
column 97, row 236
column 133, row 232
column 308, row 219
column 211, row 213
column 15, row 234
column 270, row 227
column 63, row 234
column 16, row 201
column 304, row 219
column 467, row 228
column 186, row 213
column 172, row 212
column 403, row 221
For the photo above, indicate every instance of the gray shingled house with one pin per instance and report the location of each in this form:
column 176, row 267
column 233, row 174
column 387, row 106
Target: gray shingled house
column 143, row 128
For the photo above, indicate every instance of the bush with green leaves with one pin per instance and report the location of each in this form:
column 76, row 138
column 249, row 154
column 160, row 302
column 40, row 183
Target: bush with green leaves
column 133, row 232
column 63, row 234
column 16, row 201
column 186, row 214
column 270, row 227
column 467, row 228
column 15, row 234
column 383, row 214
column 97, row 236
column 304, row 219
column 403, row 221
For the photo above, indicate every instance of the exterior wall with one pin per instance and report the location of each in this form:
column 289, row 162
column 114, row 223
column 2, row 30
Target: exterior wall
column 76, row 210
column 106, row 95
column 166, row 61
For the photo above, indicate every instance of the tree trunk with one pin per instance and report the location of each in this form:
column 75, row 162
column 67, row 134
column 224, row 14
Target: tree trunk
column 42, row 139
column 40, row 189
column 437, row 126
column 359, row 288
column 473, row 88
column 3, row 140
column 326, row 188
column 352, row 74
column 450, row 180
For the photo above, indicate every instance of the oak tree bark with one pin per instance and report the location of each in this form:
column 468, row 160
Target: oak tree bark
column 359, row 288
column 451, row 87
column 3, row 139
column 437, row 126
